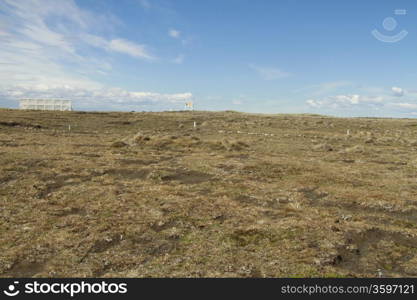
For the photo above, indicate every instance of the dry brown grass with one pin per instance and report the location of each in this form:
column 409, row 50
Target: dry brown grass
column 148, row 195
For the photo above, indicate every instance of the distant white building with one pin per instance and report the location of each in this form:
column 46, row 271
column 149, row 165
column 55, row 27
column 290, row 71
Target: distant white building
column 189, row 105
column 46, row 104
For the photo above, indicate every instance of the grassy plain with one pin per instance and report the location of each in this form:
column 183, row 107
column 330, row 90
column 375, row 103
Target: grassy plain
column 239, row 195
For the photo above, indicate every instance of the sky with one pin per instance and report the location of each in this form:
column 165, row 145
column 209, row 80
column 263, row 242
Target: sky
column 342, row 58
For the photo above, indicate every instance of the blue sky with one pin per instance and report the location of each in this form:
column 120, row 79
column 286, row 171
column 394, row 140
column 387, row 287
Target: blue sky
column 288, row 56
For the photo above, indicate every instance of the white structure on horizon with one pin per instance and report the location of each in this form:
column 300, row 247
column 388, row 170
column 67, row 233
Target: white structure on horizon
column 189, row 105
column 46, row 104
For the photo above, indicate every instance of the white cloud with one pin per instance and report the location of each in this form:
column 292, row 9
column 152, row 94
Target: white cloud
column 42, row 55
column 268, row 73
column 237, row 102
column 130, row 48
column 37, row 10
column 356, row 99
column 362, row 104
column 345, row 100
column 179, row 59
column 172, row 98
column 174, row 33
column 397, row 91
column 46, row 37
column 314, row 103
column 117, row 45
column 90, row 94
column 94, row 40
column 405, row 105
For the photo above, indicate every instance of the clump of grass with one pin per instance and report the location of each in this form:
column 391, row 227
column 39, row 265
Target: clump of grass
column 355, row 149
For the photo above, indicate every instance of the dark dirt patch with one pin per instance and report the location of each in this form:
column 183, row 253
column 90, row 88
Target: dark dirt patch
column 7, row 178
column 161, row 247
column 188, row 177
column 25, row 269
column 129, row 173
column 160, row 226
column 59, row 181
column 312, row 194
column 239, row 156
column 34, row 163
column 91, row 155
column 278, row 214
column 89, row 145
column 9, row 144
column 120, row 123
column 355, row 208
column 397, row 163
column 245, row 237
column 119, row 144
column 19, row 124
column 228, row 168
column 245, row 199
column 136, row 162
column 361, row 251
column 102, row 245
column 70, row 211
column 264, row 202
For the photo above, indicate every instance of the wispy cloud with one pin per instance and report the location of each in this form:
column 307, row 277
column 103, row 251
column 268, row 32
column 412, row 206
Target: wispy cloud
column 397, row 91
column 88, row 94
column 349, row 102
column 179, row 59
column 178, row 35
column 315, row 103
column 345, row 100
column 46, row 50
column 174, row 33
column 117, row 45
column 268, row 73
column 130, row 48
column 405, row 105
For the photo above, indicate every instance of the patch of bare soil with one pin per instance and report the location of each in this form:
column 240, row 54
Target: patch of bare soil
column 362, row 251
